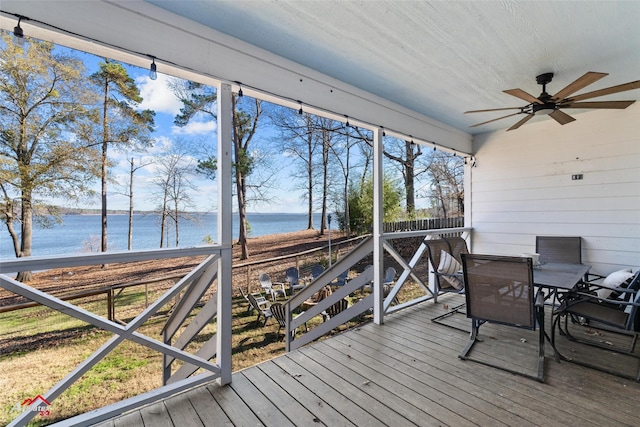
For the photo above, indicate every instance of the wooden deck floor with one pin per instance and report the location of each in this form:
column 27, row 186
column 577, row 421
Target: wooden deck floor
column 407, row 372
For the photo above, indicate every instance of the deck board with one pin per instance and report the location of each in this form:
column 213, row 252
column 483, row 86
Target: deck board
column 305, row 397
column 310, row 375
column 361, row 405
column 407, row 373
column 208, row 409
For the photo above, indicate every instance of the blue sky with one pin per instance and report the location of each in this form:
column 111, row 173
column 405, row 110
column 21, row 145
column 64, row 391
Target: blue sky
column 284, row 196
column 158, row 97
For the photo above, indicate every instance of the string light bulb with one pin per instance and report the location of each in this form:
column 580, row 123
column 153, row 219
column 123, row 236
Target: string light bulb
column 153, row 70
column 240, row 94
column 18, row 33
column 300, row 110
column 347, row 124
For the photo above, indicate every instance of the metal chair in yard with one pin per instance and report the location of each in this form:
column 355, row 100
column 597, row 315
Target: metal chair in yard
column 316, row 270
column 279, row 314
column 262, row 306
column 342, row 279
column 618, row 313
column 388, row 282
column 293, row 279
column 500, row 290
column 260, row 299
column 445, row 257
column 268, row 287
column 336, row 308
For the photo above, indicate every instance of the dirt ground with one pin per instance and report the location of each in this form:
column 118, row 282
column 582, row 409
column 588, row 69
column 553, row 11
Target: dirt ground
column 77, row 279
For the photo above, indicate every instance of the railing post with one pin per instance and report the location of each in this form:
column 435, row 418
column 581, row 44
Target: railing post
column 378, row 216
column 110, row 308
column 225, row 126
column 287, row 334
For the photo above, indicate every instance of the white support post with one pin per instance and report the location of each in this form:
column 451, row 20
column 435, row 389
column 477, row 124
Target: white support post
column 378, row 216
column 225, row 135
column 468, row 171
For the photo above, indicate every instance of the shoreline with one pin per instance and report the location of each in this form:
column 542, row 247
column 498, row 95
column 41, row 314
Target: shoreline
column 61, row 281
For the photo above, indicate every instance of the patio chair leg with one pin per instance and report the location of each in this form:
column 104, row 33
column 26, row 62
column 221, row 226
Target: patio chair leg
column 473, row 338
column 543, row 336
column 455, row 310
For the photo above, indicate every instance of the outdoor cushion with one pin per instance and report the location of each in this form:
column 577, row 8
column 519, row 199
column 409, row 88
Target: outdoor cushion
column 449, row 265
column 617, row 279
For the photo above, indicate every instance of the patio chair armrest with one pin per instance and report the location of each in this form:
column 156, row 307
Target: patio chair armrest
column 448, row 274
column 596, row 286
column 539, row 299
column 592, row 289
column 587, row 296
column 594, row 276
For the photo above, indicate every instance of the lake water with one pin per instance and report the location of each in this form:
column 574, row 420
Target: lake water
column 81, row 233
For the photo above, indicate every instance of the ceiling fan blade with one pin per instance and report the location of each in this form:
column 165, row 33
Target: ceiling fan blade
column 521, row 122
column 599, row 104
column 607, row 91
column 493, row 109
column 493, row 120
column 519, row 93
column 561, row 117
column 588, row 78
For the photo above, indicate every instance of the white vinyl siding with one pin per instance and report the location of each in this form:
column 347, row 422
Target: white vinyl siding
column 522, row 187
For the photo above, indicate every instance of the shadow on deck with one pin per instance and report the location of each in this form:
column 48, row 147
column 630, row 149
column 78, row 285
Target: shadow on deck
column 407, row 372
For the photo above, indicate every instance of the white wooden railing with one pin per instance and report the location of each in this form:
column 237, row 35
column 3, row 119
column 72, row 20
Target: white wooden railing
column 190, row 288
column 295, row 321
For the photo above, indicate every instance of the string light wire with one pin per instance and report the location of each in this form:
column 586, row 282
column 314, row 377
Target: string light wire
column 171, row 63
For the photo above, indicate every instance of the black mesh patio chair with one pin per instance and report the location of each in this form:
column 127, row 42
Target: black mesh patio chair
column 564, row 249
column 619, row 313
column 447, row 274
column 445, row 257
column 559, row 249
column 499, row 290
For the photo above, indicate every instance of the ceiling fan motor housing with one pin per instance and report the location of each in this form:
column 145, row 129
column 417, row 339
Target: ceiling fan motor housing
column 546, row 108
column 545, row 78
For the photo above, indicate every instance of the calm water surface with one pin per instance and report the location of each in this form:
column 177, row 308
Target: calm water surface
column 81, row 233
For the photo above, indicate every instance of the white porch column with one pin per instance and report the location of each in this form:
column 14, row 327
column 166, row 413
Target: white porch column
column 378, row 214
column 468, row 194
column 225, row 123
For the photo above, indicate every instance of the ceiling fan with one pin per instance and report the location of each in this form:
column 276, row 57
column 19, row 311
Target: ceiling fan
column 552, row 105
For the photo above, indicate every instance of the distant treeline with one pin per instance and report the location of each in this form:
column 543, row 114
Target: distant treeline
column 83, row 211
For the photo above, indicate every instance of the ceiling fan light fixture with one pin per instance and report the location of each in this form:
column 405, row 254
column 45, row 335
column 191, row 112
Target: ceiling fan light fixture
column 544, row 109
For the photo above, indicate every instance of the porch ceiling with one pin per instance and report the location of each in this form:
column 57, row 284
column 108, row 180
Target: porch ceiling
column 437, row 59
column 440, row 58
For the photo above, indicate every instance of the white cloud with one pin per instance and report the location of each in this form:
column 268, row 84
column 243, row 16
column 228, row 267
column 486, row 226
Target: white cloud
column 157, row 96
column 195, row 128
